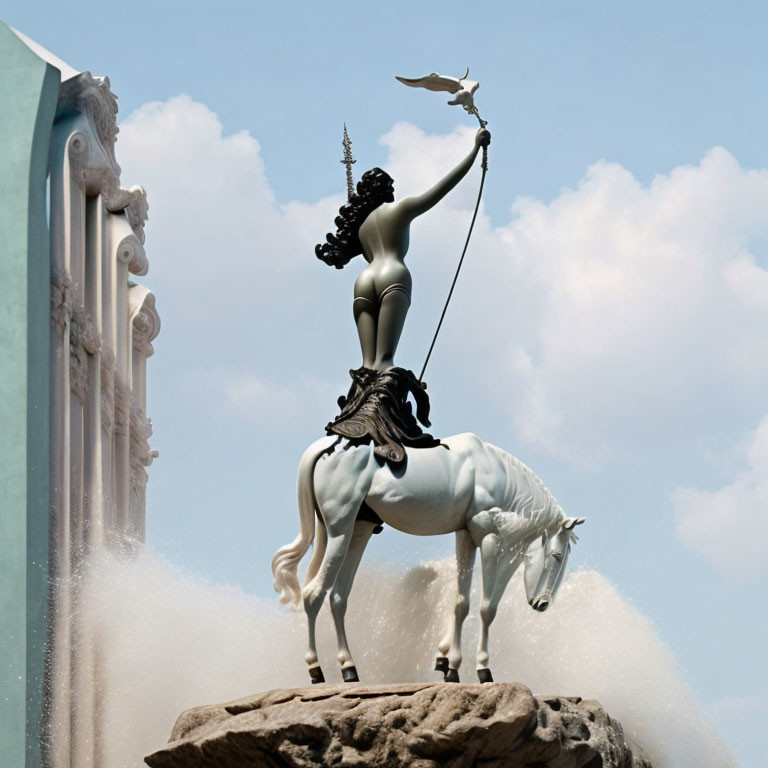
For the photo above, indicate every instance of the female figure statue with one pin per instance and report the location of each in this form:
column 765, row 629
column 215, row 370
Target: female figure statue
column 373, row 224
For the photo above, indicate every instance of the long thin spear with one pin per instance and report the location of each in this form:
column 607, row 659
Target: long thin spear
column 348, row 160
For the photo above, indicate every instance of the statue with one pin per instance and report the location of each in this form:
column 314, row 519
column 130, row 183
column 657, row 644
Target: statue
column 487, row 497
column 371, row 223
column 388, row 471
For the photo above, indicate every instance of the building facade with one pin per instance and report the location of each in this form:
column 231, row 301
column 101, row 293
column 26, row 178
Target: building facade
column 77, row 329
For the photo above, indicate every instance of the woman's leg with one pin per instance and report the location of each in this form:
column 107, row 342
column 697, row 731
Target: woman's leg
column 393, row 307
column 365, row 309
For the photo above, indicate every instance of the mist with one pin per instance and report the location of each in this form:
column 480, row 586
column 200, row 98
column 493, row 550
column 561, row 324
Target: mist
column 171, row 641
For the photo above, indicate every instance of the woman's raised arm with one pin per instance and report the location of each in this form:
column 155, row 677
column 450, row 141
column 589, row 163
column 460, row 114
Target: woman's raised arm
column 415, row 206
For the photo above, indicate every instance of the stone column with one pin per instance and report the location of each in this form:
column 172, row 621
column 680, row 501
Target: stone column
column 145, row 325
column 91, row 216
column 92, row 533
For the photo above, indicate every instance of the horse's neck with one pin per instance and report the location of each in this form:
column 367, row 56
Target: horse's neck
column 534, row 516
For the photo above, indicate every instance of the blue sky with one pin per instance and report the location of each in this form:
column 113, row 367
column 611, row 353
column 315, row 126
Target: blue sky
column 610, row 329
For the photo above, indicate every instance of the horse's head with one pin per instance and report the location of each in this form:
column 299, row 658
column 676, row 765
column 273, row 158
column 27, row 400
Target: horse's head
column 545, row 564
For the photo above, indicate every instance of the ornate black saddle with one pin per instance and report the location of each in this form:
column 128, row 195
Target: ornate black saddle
column 377, row 410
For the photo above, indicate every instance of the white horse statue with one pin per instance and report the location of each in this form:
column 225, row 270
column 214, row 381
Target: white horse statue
column 484, row 495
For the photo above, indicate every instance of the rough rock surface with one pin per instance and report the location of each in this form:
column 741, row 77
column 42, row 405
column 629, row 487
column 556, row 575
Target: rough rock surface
column 496, row 725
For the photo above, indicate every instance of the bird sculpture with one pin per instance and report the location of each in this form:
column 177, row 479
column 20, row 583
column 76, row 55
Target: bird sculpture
column 462, row 88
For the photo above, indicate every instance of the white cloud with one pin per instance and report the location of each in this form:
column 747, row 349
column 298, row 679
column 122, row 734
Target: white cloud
column 729, row 526
column 633, row 315
column 267, row 403
column 417, row 160
column 238, row 285
column 615, row 319
column 216, row 236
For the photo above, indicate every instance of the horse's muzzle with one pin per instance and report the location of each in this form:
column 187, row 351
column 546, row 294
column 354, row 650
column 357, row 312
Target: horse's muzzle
column 540, row 603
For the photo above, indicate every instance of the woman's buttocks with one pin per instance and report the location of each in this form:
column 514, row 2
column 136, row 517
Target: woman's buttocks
column 384, row 272
column 388, row 271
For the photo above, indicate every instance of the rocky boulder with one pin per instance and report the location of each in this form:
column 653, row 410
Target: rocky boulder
column 496, row 725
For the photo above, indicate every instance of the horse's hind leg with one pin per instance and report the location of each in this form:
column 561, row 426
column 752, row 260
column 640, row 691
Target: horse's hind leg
column 340, row 593
column 341, row 485
column 314, row 593
column 449, row 660
column 498, row 566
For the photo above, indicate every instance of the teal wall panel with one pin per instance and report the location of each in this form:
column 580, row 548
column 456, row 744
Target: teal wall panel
column 28, row 95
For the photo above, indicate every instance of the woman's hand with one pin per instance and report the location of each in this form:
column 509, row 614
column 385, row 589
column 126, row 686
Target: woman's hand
column 482, row 137
column 411, row 207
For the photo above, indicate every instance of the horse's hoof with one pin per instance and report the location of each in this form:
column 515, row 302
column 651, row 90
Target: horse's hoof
column 316, row 674
column 350, row 675
column 451, row 676
column 441, row 664
column 484, row 675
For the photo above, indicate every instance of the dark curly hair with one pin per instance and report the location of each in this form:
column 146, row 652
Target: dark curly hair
column 374, row 188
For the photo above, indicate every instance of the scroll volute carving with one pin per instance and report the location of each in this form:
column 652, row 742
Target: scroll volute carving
column 146, row 321
column 88, row 105
column 131, row 252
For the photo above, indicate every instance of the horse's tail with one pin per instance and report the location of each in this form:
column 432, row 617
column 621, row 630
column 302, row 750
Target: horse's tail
column 318, row 551
column 287, row 558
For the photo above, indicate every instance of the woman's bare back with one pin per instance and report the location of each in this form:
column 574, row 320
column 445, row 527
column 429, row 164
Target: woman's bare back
column 383, row 288
column 384, row 236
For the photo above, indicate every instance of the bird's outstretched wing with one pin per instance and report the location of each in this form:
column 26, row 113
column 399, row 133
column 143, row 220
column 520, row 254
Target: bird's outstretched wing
column 433, row 82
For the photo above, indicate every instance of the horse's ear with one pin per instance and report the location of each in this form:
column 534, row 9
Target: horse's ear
column 572, row 522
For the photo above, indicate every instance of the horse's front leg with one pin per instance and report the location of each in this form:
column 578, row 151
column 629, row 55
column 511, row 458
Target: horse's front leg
column 449, row 660
column 340, row 593
column 498, row 565
column 314, row 592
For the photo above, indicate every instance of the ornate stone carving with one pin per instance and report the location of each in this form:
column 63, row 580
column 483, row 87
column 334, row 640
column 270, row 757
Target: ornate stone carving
column 122, row 406
column 134, row 202
column 141, row 431
column 93, row 96
column 61, row 297
column 78, row 144
column 146, row 327
column 131, row 252
column 84, row 338
column 139, row 479
column 78, row 360
column 107, row 389
column 92, row 157
column 141, row 453
column 145, row 321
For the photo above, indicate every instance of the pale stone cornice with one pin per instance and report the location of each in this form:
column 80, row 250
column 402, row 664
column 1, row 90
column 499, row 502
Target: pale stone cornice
column 93, row 97
column 91, row 146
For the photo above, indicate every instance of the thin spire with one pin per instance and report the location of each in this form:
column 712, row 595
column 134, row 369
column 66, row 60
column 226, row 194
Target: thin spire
column 348, row 160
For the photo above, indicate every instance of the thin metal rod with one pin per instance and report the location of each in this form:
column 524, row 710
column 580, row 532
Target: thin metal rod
column 349, row 161
column 461, row 261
